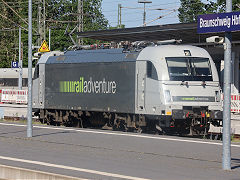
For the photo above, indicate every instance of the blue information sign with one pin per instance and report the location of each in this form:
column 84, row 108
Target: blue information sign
column 222, row 22
column 14, row 64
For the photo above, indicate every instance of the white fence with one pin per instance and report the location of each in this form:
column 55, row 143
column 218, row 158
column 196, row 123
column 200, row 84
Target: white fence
column 235, row 103
column 14, row 96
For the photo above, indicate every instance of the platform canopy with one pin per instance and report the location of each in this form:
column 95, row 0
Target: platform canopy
column 185, row 31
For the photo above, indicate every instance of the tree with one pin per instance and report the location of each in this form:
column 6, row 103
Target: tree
column 66, row 10
column 58, row 12
column 190, row 9
column 222, row 5
column 9, row 23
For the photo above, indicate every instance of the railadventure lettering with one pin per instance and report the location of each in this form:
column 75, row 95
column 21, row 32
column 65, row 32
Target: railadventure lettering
column 221, row 22
column 195, row 99
column 84, row 86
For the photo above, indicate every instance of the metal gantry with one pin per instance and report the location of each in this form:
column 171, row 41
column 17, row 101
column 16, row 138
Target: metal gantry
column 144, row 11
column 80, row 19
column 41, row 21
column 119, row 15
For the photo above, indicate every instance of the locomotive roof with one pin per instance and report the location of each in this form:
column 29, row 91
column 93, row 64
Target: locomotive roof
column 117, row 55
column 99, row 55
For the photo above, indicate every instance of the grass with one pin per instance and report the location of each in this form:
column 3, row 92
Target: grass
column 234, row 139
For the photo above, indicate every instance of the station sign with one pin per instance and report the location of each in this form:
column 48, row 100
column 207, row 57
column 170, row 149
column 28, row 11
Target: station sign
column 14, row 64
column 221, row 22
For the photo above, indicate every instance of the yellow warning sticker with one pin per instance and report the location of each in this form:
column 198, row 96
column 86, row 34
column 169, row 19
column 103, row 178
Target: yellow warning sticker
column 44, row 47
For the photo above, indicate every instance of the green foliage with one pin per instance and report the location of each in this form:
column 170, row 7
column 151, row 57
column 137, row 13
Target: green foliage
column 9, row 31
column 222, row 5
column 66, row 10
column 59, row 15
column 94, row 18
column 190, row 9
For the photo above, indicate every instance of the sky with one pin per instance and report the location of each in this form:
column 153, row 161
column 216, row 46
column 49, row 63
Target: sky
column 134, row 17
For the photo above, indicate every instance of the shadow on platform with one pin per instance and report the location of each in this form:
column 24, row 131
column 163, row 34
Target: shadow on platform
column 236, row 163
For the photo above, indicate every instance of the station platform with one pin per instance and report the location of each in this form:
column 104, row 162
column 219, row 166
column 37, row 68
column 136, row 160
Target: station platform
column 98, row 154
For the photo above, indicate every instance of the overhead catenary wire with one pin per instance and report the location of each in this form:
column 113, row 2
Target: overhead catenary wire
column 177, row 2
column 134, row 20
column 127, row 11
column 17, row 15
column 14, row 12
column 159, row 9
column 159, row 17
column 3, row 29
column 13, row 22
column 163, row 4
column 115, row 1
column 128, row 14
column 19, row 2
column 156, row 14
column 138, row 11
column 153, row 4
column 58, row 21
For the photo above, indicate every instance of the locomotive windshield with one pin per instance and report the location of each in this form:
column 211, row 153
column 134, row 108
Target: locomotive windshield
column 189, row 69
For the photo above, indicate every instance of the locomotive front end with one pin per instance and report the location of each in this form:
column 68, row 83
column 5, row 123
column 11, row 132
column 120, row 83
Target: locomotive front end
column 193, row 91
column 189, row 89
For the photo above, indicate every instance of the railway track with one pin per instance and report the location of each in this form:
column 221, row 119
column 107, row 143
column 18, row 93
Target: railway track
column 215, row 135
column 18, row 113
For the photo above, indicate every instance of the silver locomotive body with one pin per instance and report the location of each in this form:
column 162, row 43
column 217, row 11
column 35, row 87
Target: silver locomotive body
column 165, row 87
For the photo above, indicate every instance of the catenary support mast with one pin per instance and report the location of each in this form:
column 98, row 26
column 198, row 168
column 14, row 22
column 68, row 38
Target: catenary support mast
column 20, row 61
column 226, row 158
column 29, row 109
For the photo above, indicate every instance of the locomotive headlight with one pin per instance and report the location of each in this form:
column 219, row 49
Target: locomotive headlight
column 167, row 96
column 217, row 96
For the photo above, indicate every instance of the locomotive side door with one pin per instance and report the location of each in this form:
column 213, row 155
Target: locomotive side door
column 140, row 85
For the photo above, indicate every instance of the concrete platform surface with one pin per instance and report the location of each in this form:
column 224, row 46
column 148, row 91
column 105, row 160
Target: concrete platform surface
column 8, row 172
column 95, row 154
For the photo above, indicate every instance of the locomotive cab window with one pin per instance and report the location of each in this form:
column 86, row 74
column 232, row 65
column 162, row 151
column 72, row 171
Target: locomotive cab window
column 189, row 69
column 151, row 71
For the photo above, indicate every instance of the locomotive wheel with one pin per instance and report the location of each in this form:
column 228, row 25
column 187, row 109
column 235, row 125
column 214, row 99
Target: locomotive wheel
column 120, row 126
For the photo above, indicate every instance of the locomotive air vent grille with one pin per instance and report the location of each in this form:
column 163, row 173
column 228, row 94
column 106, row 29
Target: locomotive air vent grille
column 131, row 56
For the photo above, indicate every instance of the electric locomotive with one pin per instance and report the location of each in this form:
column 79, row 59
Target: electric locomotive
column 166, row 88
